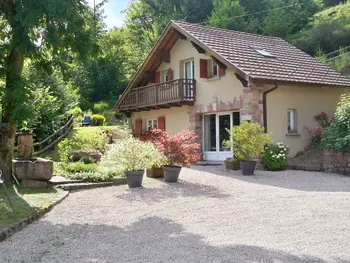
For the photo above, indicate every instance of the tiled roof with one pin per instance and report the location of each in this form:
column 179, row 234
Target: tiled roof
column 288, row 64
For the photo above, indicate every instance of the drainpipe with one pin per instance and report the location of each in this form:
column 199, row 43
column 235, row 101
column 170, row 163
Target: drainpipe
column 265, row 104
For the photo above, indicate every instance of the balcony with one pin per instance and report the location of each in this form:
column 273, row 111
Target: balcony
column 173, row 93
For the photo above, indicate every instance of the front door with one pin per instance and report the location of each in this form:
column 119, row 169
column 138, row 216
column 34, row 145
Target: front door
column 215, row 133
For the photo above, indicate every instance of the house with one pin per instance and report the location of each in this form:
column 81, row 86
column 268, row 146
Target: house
column 209, row 79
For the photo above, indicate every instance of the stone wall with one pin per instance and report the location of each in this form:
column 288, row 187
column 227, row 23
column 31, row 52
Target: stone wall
column 323, row 161
column 336, row 162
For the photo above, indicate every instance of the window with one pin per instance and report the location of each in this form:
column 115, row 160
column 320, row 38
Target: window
column 264, row 53
column 165, row 76
column 152, row 124
column 292, row 123
column 215, row 69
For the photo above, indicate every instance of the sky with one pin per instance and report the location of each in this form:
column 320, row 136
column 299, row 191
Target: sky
column 113, row 11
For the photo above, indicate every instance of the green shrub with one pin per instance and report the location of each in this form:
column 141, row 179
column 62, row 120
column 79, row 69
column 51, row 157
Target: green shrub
column 109, row 117
column 76, row 111
column 98, row 120
column 87, row 160
column 79, row 167
column 337, row 135
column 249, row 141
column 100, row 107
column 84, row 139
column 275, row 156
column 132, row 154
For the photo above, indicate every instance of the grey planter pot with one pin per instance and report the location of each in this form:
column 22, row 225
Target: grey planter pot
column 134, row 179
column 171, row 173
column 248, row 167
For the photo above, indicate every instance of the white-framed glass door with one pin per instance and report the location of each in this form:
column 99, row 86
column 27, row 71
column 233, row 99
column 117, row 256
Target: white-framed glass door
column 215, row 132
column 189, row 76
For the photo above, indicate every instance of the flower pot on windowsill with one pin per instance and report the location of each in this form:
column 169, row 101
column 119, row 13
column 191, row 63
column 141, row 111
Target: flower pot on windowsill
column 248, row 167
column 171, row 173
column 134, row 178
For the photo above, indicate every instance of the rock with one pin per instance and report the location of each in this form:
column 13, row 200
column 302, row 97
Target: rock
column 34, row 183
column 34, row 169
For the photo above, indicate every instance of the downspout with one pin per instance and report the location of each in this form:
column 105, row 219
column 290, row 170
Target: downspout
column 265, row 105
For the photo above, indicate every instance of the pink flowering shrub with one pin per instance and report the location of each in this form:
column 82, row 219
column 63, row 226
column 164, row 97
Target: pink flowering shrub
column 316, row 134
column 179, row 148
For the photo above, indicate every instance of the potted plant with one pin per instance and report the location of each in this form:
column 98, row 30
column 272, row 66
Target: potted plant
column 134, row 156
column 232, row 164
column 179, row 149
column 248, row 142
column 275, row 156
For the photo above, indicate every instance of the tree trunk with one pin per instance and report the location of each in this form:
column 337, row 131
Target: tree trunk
column 7, row 140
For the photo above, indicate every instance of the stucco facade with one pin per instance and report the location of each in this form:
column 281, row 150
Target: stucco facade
column 307, row 101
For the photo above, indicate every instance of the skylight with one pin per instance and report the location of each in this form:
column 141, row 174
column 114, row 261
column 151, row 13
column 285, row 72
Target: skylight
column 264, row 53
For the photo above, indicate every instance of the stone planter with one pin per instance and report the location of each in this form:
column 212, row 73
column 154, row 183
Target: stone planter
column 155, row 172
column 33, row 172
column 171, row 173
column 76, row 156
column 134, row 179
column 248, row 167
column 25, row 144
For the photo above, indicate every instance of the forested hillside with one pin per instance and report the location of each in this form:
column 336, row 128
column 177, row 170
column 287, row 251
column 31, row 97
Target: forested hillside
column 65, row 68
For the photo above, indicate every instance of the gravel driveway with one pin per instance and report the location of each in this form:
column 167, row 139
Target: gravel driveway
column 211, row 215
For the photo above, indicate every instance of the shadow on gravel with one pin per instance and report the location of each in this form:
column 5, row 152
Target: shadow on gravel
column 151, row 239
column 290, row 179
column 170, row 191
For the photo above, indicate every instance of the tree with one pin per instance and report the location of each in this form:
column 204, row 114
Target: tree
column 36, row 30
column 226, row 14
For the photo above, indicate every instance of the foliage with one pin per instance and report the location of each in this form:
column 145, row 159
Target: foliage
column 178, row 148
column 91, row 173
column 275, row 156
column 134, row 155
column 98, row 120
column 248, row 141
column 78, row 167
column 76, row 111
column 84, row 139
column 223, row 13
column 328, row 30
column 316, row 134
column 337, row 135
column 100, row 107
column 87, row 160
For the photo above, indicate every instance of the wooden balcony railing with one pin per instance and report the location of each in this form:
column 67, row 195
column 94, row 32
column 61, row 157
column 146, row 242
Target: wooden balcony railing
column 172, row 93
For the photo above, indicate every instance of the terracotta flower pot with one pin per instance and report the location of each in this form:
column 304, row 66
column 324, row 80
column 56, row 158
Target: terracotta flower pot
column 155, row 172
column 171, row 173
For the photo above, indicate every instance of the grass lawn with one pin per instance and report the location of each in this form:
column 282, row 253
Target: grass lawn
column 26, row 202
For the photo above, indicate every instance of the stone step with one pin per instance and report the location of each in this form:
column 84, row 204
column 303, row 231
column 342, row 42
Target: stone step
column 57, row 180
column 85, row 185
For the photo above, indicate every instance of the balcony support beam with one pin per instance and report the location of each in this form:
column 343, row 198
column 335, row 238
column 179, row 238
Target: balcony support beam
column 164, row 56
column 198, row 48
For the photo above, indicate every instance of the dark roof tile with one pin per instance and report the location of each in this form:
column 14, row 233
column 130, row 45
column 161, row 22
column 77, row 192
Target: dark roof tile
column 289, row 63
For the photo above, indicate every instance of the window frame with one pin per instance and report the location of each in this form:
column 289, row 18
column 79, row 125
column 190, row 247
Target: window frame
column 153, row 122
column 214, row 65
column 292, row 121
column 165, row 76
